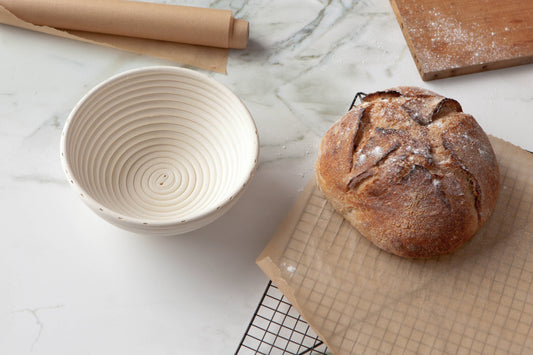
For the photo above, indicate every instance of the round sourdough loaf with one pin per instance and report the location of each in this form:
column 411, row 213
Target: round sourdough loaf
column 410, row 171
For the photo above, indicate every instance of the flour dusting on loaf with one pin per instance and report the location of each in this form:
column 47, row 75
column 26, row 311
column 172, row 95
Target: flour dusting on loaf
column 409, row 170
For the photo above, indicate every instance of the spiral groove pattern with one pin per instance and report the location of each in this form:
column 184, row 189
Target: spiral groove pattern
column 159, row 147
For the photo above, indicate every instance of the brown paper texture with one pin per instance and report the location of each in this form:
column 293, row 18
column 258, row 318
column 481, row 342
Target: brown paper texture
column 209, row 58
column 361, row 300
column 138, row 19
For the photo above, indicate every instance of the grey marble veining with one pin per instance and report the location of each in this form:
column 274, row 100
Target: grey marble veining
column 74, row 284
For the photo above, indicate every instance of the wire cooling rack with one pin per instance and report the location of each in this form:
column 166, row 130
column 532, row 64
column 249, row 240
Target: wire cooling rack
column 277, row 328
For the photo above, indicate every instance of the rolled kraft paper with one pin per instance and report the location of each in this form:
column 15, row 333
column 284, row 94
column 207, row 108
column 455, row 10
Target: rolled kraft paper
column 182, row 24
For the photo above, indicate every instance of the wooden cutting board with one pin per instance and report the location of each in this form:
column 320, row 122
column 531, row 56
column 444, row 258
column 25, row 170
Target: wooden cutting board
column 449, row 38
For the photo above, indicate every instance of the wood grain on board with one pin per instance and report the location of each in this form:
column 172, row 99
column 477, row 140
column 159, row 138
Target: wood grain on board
column 449, row 38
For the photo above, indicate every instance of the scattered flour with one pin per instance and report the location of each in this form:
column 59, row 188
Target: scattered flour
column 447, row 42
column 361, row 160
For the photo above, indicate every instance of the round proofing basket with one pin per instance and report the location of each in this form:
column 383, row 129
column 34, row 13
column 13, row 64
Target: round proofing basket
column 159, row 150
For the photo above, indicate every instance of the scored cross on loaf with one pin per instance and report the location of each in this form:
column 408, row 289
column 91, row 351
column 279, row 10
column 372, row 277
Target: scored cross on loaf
column 410, row 171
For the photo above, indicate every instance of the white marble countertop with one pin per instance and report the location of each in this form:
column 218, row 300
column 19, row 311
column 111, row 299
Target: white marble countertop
column 73, row 284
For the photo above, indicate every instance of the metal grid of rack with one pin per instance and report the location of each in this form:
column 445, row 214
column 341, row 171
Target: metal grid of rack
column 277, row 328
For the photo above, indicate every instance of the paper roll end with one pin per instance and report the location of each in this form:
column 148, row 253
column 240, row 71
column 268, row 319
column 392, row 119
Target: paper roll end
column 239, row 36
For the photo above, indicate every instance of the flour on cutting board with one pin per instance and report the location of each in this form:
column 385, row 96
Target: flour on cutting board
column 466, row 36
column 452, row 40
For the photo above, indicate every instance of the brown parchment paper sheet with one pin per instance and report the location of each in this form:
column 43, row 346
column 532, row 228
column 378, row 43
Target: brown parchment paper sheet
column 361, row 300
column 204, row 57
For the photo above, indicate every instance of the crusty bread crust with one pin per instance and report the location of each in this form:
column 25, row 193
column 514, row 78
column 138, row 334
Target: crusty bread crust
column 412, row 172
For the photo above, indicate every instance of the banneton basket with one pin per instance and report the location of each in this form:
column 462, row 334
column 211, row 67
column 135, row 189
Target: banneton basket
column 160, row 150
